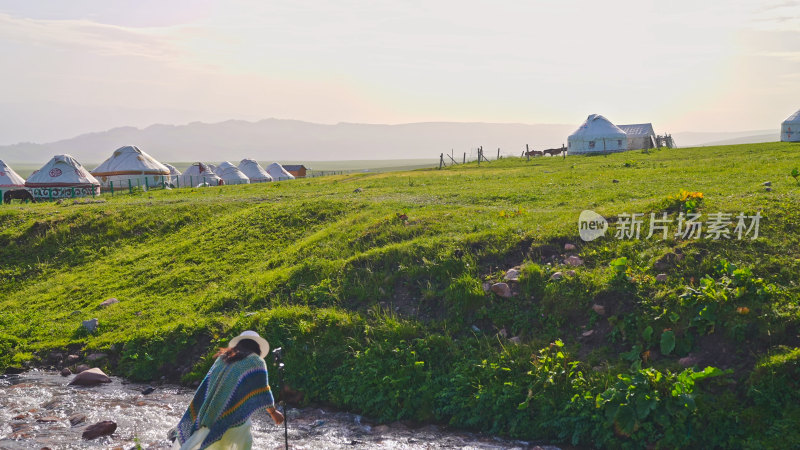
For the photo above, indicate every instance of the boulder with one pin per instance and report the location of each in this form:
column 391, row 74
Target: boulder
column 569, row 247
column 104, row 428
column 65, row 372
column 573, row 261
column 90, row 325
column 109, row 302
column 81, row 367
column 487, row 287
column 91, row 377
column 72, row 359
column 512, row 275
column 599, row 309
column 148, row 390
column 502, row 290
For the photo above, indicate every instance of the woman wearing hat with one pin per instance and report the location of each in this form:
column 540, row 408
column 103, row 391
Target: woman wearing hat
column 236, row 386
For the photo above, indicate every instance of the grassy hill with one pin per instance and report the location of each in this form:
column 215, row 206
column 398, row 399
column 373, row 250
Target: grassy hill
column 375, row 286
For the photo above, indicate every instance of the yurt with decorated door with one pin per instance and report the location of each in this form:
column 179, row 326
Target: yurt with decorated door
column 62, row 177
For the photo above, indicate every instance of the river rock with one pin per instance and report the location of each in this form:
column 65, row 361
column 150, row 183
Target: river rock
column 512, row 275
column 65, row 372
column 96, row 356
column 81, row 368
column 47, row 419
column 109, row 302
column 77, row 419
column 104, row 428
column 556, row 276
column 90, row 325
column 661, row 278
column 91, row 377
column 569, row 247
column 599, row 309
column 72, row 359
column 502, row 290
column 148, row 390
column 487, row 287
column 574, row 261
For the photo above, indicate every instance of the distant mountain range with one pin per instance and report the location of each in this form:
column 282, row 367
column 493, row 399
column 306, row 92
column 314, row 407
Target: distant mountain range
column 279, row 140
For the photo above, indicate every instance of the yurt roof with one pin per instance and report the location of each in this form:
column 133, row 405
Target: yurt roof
column 130, row 160
column 228, row 171
column 253, row 170
column 794, row 118
column 61, row 170
column 172, row 169
column 9, row 178
column 597, row 126
column 638, row 129
column 201, row 170
column 276, row 171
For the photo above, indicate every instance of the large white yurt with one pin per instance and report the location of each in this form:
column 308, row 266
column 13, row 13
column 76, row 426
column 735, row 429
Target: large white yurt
column 254, row 171
column 131, row 167
column 278, row 173
column 173, row 173
column 597, row 135
column 231, row 174
column 62, row 177
column 197, row 174
column 790, row 128
column 9, row 179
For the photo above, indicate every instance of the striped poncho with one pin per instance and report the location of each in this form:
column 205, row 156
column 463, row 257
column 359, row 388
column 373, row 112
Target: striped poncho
column 226, row 398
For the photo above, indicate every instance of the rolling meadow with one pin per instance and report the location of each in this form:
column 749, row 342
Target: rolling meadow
column 378, row 287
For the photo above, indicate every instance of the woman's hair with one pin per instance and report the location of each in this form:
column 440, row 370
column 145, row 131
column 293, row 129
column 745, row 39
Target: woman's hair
column 243, row 349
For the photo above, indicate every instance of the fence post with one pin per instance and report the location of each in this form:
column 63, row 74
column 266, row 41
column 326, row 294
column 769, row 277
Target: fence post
column 498, row 152
column 191, row 180
column 464, row 160
column 73, row 191
column 2, row 200
column 130, row 186
column 146, row 184
column 50, row 193
column 111, row 183
column 527, row 155
column 441, row 160
column 177, row 181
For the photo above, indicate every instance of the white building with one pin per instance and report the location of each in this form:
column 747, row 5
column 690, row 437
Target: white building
column 790, row 128
column 597, row 135
column 231, row 174
column 62, row 177
column 640, row 135
column 131, row 167
column 254, row 171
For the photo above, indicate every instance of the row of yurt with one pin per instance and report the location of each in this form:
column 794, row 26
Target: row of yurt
column 790, row 128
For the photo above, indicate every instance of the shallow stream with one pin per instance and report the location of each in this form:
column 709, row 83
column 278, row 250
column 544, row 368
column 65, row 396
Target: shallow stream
column 36, row 407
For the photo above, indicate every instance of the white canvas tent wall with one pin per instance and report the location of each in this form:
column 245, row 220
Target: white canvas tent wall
column 597, row 135
column 640, row 135
column 231, row 174
column 278, row 173
column 10, row 179
column 790, row 128
column 197, row 174
column 173, row 173
column 62, row 177
column 130, row 166
column 254, row 171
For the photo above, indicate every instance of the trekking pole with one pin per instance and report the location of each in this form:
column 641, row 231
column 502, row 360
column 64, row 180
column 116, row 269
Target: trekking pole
column 278, row 354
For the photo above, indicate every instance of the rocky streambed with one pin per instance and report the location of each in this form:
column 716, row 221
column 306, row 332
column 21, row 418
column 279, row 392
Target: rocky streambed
column 39, row 410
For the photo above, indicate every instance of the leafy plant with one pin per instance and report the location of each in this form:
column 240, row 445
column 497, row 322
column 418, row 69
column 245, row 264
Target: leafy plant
column 795, row 173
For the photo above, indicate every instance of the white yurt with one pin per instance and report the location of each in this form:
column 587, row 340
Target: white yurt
column 173, row 173
column 62, row 177
column 278, row 173
column 231, row 174
column 597, row 135
column 790, row 128
column 10, row 179
column 254, row 171
column 197, row 174
column 131, row 167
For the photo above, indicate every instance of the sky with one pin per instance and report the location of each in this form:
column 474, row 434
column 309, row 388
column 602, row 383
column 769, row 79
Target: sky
column 90, row 65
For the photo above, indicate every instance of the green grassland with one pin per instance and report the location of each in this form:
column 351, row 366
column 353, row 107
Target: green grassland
column 374, row 285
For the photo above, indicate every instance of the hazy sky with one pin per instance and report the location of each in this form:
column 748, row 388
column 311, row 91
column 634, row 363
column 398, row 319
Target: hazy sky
column 70, row 67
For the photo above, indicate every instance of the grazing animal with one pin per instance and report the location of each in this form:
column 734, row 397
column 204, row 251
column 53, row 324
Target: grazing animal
column 534, row 153
column 553, row 151
column 18, row 194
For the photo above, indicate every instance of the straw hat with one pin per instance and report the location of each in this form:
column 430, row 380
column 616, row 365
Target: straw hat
column 253, row 336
